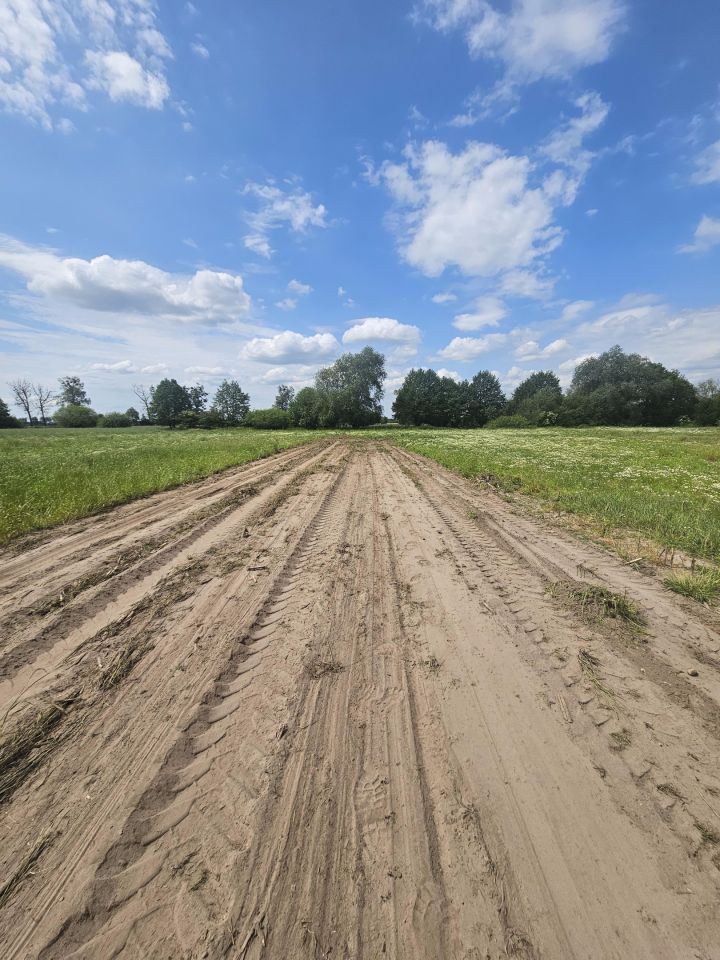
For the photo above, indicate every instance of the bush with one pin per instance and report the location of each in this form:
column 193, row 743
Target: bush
column 115, row 419
column 271, row 419
column 75, row 415
column 514, row 421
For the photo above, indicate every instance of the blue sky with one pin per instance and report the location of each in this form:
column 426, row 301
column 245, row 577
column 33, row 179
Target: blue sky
column 215, row 189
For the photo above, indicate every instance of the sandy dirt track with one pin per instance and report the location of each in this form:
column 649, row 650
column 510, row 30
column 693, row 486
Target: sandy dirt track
column 340, row 704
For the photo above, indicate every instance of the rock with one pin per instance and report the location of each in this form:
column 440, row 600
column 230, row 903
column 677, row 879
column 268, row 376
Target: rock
column 693, row 673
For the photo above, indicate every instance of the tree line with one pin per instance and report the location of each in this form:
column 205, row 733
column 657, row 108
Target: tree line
column 613, row 389
column 346, row 394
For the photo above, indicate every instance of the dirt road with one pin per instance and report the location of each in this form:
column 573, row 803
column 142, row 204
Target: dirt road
column 342, row 704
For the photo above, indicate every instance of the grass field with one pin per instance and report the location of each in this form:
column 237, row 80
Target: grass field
column 51, row 475
column 663, row 483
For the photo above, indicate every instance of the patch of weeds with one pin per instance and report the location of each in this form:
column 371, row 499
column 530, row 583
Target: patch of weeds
column 31, row 858
column 620, row 739
column 320, row 668
column 600, row 602
column 701, row 584
column 472, row 514
column 122, row 663
column 25, row 748
column 707, row 834
column 432, row 663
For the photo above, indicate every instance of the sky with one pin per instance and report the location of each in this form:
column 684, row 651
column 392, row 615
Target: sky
column 246, row 190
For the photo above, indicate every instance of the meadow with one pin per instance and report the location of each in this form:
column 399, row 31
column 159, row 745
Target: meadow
column 50, row 475
column 663, row 483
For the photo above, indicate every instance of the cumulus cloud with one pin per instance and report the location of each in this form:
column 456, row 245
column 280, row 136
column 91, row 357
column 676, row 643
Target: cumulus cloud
column 707, row 165
column 571, row 311
column 121, row 366
column 123, row 77
column 444, row 298
column 453, row 374
column 533, row 39
column 134, row 287
column 565, row 146
column 531, row 350
column 54, row 52
column 290, row 347
column 706, row 236
column 487, row 312
column 468, row 348
column 384, row 329
column 300, row 375
column 475, row 210
column 293, row 208
column 288, row 303
column 299, row 288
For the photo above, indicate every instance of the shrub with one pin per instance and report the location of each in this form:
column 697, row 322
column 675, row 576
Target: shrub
column 75, row 415
column 115, row 419
column 271, row 419
column 513, row 421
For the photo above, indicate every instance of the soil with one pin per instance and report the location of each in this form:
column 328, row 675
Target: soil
column 341, row 703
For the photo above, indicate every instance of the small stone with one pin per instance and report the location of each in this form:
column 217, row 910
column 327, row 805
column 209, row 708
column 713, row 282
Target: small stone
column 693, row 673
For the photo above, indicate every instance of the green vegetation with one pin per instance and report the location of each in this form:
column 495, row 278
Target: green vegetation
column 51, row 475
column 702, row 584
column 663, row 483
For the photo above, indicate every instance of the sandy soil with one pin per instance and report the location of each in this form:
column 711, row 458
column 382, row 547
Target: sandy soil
column 342, row 704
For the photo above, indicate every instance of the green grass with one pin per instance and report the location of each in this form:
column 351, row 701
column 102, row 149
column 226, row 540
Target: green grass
column 50, row 475
column 702, row 584
column 661, row 483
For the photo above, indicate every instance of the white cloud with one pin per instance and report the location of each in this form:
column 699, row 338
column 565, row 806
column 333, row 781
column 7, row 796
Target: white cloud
column 299, row 288
column 293, row 208
column 565, row 146
column 206, row 371
column 54, row 52
column 592, row 212
column 524, row 283
column 290, row 347
column 123, row 77
column 154, row 368
column 572, row 311
column 531, row 350
column 382, row 328
column 533, row 38
column 341, row 292
column 707, row 236
column 453, row 374
column 487, row 312
column 126, row 286
column 444, row 298
column 200, row 50
column 122, row 366
column 468, row 348
column 707, row 165
column 289, row 303
column 475, row 210
column 300, row 375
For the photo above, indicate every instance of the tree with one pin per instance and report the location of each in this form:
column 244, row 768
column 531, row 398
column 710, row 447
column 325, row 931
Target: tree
column 274, row 418
column 285, row 396
column 350, row 391
column 627, row 389
column 132, row 415
column 484, row 399
column 707, row 389
column 144, row 395
column 22, row 391
column 707, row 412
column 418, row 400
column 305, row 408
column 42, row 400
column 198, row 397
column 169, row 399
column 6, row 418
column 77, row 415
column 231, row 402
column 116, row 419
column 72, row 393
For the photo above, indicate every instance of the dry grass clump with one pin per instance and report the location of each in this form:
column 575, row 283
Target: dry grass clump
column 600, row 602
column 123, row 662
column 25, row 747
column 589, row 664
